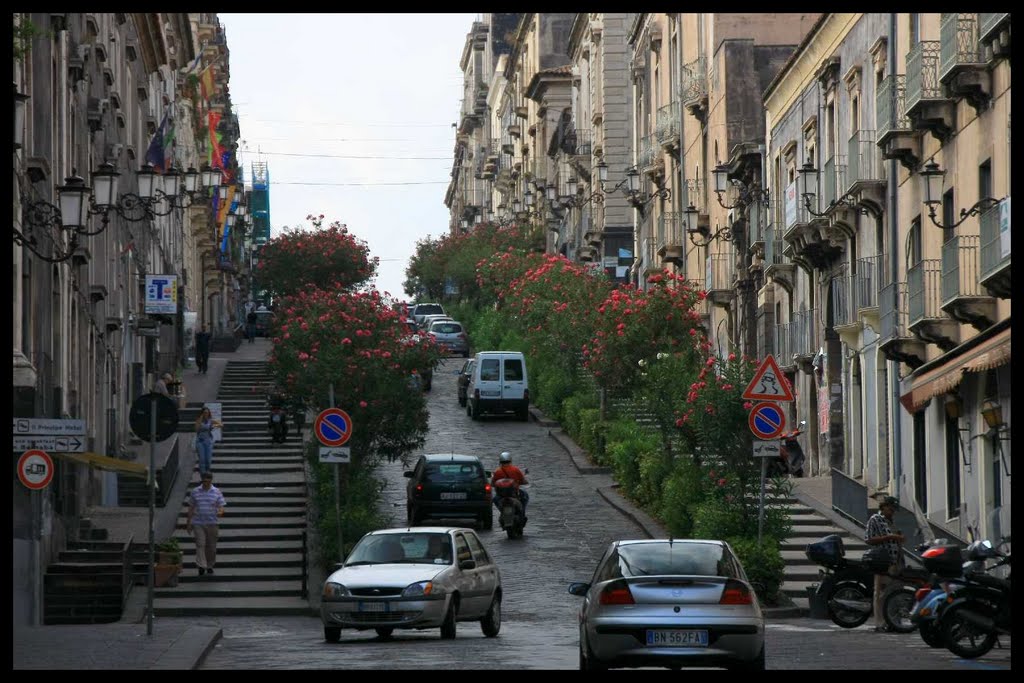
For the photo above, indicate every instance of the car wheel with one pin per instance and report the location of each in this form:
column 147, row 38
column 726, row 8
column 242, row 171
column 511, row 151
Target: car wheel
column 332, row 634
column 588, row 662
column 384, row 631
column 474, row 411
column 524, row 415
column 755, row 664
column 491, row 623
column 487, row 523
column 448, row 627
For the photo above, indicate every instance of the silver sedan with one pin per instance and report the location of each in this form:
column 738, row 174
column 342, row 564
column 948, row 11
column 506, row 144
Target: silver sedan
column 673, row 603
column 419, row 578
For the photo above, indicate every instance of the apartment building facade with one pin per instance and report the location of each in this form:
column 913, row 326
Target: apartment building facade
column 892, row 310
column 97, row 96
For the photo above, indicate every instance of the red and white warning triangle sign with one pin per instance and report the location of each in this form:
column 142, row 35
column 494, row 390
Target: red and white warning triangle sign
column 769, row 384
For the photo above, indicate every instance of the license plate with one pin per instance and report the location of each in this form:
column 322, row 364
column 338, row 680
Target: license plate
column 374, row 607
column 663, row 638
column 453, row 496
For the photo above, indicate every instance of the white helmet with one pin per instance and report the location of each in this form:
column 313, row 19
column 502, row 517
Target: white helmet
column 505, row 457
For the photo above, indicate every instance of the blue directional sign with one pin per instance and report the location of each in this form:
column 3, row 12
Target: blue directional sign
column 767, row 420
column 333, row 427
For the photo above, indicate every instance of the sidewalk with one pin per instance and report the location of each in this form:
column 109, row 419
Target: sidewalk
column 175, row 644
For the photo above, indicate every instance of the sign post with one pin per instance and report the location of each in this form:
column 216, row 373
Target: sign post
column 767, row 419
column 333, row 428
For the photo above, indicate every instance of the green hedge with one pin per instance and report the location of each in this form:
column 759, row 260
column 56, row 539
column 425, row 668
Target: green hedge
column 763, row 564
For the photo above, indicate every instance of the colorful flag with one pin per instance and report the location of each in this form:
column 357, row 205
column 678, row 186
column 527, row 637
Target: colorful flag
column 206, row 83
column 159, row 153
column 215, row 154
column 193, row 68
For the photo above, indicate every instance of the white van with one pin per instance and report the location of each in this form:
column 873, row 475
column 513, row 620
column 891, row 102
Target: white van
column 499, row 384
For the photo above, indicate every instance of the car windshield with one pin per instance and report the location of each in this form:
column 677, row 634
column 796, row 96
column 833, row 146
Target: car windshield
column 429, row 309
column 410, row 548
column 446, row 328
column 679, row 558
column 448, row 472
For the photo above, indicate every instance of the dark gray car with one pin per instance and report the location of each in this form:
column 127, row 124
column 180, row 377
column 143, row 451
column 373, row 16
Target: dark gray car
column 450, row 336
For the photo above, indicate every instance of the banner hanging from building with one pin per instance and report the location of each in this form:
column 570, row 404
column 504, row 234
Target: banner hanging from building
column 162, row 294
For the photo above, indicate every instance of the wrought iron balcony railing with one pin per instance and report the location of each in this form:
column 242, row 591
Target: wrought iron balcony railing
column 995, row 245
column 843, row 311
column 649, row 153
column 667, row 128
column 863, row 160
column 670, row 230
column 892, row 306
column 960, row 275
column 958, row 37
column 694, row 82
column 923, row 292
column 868, row 280
column 719, row 272
column 988, row 21
column 891, row 106
column 923, row 73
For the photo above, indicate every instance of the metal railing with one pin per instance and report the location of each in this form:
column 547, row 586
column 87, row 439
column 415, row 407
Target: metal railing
column 649, row 152
column 987, row 21
column 843, row 312
column 652, row 261
column 802, row 215
column 670, row 229
column 667, row 127
column 892, row 306
column 923, row 73
column 923, row 289
column 863, row 160
column 719, row 272
column 304, row 591
column 127, row 576
column 869, row 278
column 992, row 258
column 784, row 343
column 958, row 37
column 757, row 218
column 834, row 178
column 891, row 106
column 693, row 84
column 804, row 341
column 849, row 497
column 773, row 246
column 960, row 267
column 693, row 193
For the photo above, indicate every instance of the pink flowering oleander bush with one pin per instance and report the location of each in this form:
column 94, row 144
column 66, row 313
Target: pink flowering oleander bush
column 303, row 258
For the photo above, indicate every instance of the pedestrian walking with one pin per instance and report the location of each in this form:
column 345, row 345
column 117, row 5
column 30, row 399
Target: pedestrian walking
column 205, row 508
column 879, row 532
column 202, row 349
column 205, row 424
column 250, row 326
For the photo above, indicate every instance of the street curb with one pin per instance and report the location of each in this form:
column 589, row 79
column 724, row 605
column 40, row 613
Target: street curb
column 209, row 647
column 576, row 454
column 540, row 418
column 181, row 655
column 793, row 612
column 642, row 520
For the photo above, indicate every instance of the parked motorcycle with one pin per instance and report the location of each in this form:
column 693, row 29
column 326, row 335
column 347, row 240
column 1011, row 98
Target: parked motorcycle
column 510, row 508
column 791, row 456
column 979, row 610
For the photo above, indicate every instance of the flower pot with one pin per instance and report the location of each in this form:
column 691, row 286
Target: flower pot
column 166, row 575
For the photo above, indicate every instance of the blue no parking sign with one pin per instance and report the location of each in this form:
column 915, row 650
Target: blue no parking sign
column 767, row 420
column 333, row 427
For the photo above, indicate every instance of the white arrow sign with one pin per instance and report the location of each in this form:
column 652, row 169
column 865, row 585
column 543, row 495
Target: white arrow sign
column 53, row 444
column 341, row 455
column 28, row 425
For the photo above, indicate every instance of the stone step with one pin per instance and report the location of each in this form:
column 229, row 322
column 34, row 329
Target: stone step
column 284, row 505
column 232, row 546
column 235, row 522
column 256, row 606
column 256, row 491
column 229, row 574
column 239, row 535
column 223, row 469
column 255, row 562
column 264, row 512
column 212, row 587
column 255, row 451
column 796, row 588
column 802, row 602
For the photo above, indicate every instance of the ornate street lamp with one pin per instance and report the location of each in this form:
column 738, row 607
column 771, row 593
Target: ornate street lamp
column 931, row 190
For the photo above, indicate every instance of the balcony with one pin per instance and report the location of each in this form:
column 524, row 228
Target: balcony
column 867, row 281
column 649, row 159
column 804, row 338
column 784, row 346
column 896, row 342
column 927, row 105
column 961, row 67
column 995, row 250
column 811, row 240
column 693, row 90
column 962, row 296
column 587, row 253
column 864, row 180
column 577, row 142
column 845, row 320
column 694, row 193
column 667, row 128
column 896, row 136
column 925, row 316
column 718, row 279
column 671, row 238
column 777, row 266
column 652, row 262
column 994, row 35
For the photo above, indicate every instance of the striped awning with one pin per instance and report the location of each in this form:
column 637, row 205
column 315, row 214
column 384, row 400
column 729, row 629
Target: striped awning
column 944, row 378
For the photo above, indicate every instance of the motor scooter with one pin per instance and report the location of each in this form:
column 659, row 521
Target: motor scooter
column 510, row 509
column 979, row 610
column 791, row 456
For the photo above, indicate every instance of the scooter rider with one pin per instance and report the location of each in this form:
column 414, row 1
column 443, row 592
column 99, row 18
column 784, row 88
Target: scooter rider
column 506, row 470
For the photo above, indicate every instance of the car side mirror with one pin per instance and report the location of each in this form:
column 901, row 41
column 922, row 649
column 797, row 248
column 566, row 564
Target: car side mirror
column 579, row 588
column 407, row 475
column 467, row 564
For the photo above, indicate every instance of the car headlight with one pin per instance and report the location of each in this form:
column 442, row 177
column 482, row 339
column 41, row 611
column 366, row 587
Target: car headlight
column 335, row 590
column 422, row 588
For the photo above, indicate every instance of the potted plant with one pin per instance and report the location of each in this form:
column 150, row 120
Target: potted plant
column 168, row 563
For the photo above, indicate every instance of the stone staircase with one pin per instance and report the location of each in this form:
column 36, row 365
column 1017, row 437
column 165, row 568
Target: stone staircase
column 261, row 551
column 90, row 581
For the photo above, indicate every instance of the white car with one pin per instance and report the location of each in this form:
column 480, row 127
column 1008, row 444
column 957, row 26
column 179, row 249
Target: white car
column 413, row 578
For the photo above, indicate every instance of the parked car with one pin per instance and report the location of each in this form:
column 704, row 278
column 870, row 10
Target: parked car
column 450, row 335
column 413, row 579
column 448, row 486
column 463, row 380
column 428, row 320
column 421, row 310
column 424, row 377
column 670, row 602
column 264, row 319
column 499, row 383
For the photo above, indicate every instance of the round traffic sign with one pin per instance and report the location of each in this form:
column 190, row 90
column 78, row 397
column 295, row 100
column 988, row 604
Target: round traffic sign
column 35, row 469
column 767, row 420
column 140, row 414
column 333, row 427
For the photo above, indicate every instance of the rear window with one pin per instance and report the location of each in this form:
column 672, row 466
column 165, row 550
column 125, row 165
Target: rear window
column 489, row 370
column 446, row 328
column 429, row 309
column 441, row 472
column 513, row 370
column 679, row 558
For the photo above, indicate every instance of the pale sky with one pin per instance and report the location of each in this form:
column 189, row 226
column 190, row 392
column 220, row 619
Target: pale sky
column 378, row 85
